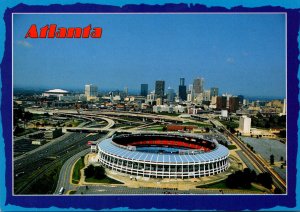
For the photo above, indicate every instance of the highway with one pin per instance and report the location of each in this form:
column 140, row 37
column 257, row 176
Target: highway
column 64, row 179
column 36, row 165
column 31, row 166
column 258, row 161
column 65, row 174
column 66, row 171
column 123, row 190
column 154, row 117
column 44, row 148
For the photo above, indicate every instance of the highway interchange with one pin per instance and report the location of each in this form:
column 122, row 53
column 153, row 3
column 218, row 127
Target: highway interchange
column 71, row 146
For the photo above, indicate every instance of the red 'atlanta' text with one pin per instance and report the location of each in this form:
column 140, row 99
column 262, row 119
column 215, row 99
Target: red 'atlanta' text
column 72, row 32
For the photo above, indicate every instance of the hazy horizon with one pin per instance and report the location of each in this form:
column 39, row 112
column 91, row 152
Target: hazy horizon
column 238, row 53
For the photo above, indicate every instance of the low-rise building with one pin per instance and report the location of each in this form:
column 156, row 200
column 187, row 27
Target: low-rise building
column 245, row 125
column 53, row 133
column 38, row 142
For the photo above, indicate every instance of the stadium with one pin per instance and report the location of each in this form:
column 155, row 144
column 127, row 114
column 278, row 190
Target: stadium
column 163, row 155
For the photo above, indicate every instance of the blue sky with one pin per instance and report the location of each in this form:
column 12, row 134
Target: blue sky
column 239, row 53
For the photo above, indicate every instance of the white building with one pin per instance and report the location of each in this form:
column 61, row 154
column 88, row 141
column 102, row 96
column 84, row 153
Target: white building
column 91, row 92
column 180, row 109
column 283, row 108
column 206, row 95
column 245, row 124
column 213, row 100
column 198, row 98
column 163, row 108
column 151, row 97
column 189, row 97
column 55, row 93
column 116, row 98
column 224, row 113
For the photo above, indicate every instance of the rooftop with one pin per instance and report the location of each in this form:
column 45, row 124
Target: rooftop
column 56, row 91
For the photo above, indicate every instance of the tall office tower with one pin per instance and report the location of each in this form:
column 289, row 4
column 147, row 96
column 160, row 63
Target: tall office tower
column 170, row 94
column 91, row 90
column 245, row 124
column 198, row 86
column 182, row 90
column 126, row 91
column 181, row 81
column 214, row 92
column 221, row 102
column 190, row 88
column 241, row 99
column 160, row 88
column 206, row 95
column 190, row 96
column 233, row 104
column 144, row 89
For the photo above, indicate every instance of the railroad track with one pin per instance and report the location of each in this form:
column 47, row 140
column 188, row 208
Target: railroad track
column 262, row 166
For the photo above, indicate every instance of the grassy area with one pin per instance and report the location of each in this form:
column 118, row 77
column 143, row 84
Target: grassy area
column 104, row 180
column 46, row 184
column 230, row 124
column 222, row 185
column 201, row 124
column 230, row 147
column 124, row 125
column 26, row 131
column 76, row 171
column 72, row 192
column 168, row 114
column 73, row 123
column 158, row 128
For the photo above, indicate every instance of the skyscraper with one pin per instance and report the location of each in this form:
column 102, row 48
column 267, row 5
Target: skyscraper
column 160, row 88
column 181, row 81
column 214, row 92
column 221, row 102
column 241, row 99
column 126, row 91
column 198, row 86
column 91, row 90
column 206, row 95
column 182, row 90
column 170, row 94
column 144, row 89
column 233, row 104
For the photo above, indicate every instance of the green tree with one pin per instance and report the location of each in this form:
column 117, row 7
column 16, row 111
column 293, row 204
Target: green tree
column 99, row 172
column 89, row 171
column 28, row 116
column 247, row 178
column 18, row 130
column 272, row 159
column 282, row 133
column 37, row 124
column 231, row 181
column 277, row 191
column 265, row 179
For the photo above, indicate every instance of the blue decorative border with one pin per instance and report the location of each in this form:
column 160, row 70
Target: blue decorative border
column 189, row 202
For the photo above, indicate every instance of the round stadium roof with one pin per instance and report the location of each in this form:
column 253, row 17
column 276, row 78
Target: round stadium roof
column 110, row 147
column 56, row 91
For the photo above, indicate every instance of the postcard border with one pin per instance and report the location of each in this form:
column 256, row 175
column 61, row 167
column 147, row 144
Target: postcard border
column 167, row 202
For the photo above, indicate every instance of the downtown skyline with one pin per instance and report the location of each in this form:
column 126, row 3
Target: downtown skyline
column 239, row 54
